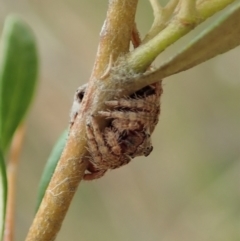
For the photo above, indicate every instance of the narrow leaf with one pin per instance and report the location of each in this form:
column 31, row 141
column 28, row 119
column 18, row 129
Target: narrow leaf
column 222, row 36
column 3, row 194
column 50, row 166
column 18, row 75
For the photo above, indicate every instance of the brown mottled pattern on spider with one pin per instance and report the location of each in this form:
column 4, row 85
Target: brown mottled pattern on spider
column 136, row 143
column 128, row 135
column 112, row 138
column 123, row 125
column 103, row 158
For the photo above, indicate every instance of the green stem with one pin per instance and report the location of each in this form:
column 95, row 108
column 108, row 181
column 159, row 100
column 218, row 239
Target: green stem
column 142, row 57
column 207, row 8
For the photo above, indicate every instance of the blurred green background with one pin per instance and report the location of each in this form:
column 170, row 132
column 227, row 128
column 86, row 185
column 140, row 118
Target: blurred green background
column 187, row 189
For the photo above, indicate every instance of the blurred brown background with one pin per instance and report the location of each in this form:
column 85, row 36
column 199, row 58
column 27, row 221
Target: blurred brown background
column 187, row 189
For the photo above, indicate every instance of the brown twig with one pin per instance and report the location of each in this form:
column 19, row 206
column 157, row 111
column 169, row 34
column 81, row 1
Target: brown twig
column 114, row 40
column 12, row 166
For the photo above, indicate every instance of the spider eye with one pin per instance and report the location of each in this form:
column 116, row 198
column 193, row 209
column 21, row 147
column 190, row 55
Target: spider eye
column 80, row 95
column 148, row 151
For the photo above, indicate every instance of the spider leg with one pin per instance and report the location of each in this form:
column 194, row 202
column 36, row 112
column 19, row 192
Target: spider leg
column 123, row 160
column 145, row 118
column 108, row 160
column 93, row 174
column 126, row 125
column 113, row 139
column 111, row 136
column 147, row 104
column 93, row 148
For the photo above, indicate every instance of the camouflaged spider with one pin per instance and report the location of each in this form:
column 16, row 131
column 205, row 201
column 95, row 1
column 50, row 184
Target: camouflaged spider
column 138, row 111
column 133, row 120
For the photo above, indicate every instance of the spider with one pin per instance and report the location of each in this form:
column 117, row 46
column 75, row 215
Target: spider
column 139, row 111
column 133, row 120
column 103, row 157
column 112, row 149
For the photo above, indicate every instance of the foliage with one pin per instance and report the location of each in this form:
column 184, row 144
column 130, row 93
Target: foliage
column 18, row 75
column 18, row 78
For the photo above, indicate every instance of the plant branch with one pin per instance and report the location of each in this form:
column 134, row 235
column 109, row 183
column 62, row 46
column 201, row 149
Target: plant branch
column 12, row 166
column 226, row 30
column 183, row 22
column 116, row 73
column 208, row 8
column 161, row 17
column 114, row 40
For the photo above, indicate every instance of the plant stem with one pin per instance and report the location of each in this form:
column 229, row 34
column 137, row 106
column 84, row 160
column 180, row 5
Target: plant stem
column 186, row 19
column 208, row 8
column 161, row 17
column 12, row 166
column 114, row 40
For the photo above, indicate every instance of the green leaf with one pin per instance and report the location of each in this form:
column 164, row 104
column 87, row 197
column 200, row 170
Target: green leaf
column 50, row 166
column 18, row 75
column 3, row 194
column 222, row 36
